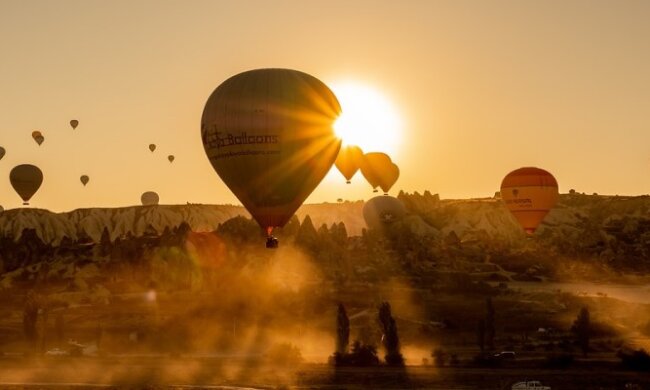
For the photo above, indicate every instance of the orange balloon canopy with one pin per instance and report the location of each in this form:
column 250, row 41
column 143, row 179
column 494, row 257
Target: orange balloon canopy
column 349, row 161
column 529, row 193
column 389, row 178
column 379, row 170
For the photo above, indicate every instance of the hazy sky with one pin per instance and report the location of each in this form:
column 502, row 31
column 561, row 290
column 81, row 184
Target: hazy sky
column 481, row 88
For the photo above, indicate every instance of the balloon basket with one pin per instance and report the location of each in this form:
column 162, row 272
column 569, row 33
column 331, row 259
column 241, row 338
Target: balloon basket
column 272, row 243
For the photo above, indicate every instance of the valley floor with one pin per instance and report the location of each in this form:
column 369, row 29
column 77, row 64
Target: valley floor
column 180, row 373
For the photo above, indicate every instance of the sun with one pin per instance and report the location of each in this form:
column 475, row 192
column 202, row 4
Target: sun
column 368, row 118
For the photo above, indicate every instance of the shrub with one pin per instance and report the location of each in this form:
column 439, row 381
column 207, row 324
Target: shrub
column 637, row 360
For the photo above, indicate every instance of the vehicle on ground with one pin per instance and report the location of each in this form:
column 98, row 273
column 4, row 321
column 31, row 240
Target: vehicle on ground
column 506, row 355
column 530, row 385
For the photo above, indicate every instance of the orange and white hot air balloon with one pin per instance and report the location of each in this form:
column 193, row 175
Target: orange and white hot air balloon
column 529, row 193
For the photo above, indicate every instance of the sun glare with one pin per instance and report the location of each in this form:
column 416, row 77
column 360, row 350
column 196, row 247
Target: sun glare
column 368, row 119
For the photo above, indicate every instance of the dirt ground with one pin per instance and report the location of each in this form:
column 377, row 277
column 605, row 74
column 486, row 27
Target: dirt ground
column 161, row 372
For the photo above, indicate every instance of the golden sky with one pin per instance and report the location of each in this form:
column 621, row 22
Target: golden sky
column 481, row 88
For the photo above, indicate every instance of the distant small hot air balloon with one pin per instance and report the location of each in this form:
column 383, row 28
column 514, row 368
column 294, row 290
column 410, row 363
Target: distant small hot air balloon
column 84, row 179
column 2, row 152
column 348, row 161
column 382, row 211
column 152, row 147
column 26, row 179
column 149, row 198
column 529, row 193
column 74, row 123
column 171, row 158
column 38, row 137
column 269, row 135
column 375, row 168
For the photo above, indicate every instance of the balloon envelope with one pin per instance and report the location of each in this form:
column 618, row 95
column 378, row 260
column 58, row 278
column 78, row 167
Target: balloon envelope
column 529, row 193
column 348, row 161
column 382, row 211
column 38, row 137
column 374, row 166
column 84, row 179
column 26, row 179
column 388, row 177
column 171, row 158
column 2, row 152
column 149, row 198
column 152, row 147
column 74, row 123
column 268, row 134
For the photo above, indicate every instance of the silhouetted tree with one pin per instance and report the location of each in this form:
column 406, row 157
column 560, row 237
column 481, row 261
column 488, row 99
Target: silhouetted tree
column 342, row 331
column 582, row 330
column 363, row 355
column 390, row 339
column 489, row 323
column 439, row 357
column 480, row 335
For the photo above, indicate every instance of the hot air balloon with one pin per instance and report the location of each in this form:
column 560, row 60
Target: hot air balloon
column 349, row 161
column 149, row 198
column 84, row 179
column 388, row 178
column 152, row 147
column 529, row 193
column 26, row 179
column 2, row 152
column 374, row 167
column 268, row 134
column 382, row 211
column 38, row 137
column 74, row 123
column 171, row 158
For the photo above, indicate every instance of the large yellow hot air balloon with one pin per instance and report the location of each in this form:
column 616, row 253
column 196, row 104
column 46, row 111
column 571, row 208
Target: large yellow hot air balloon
column 374, row 167
column 268, row 134
column 26, row 179
column 149, row 198
column 349, row 161
column 529, row 193
column 74, row 123
column 38, row 137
